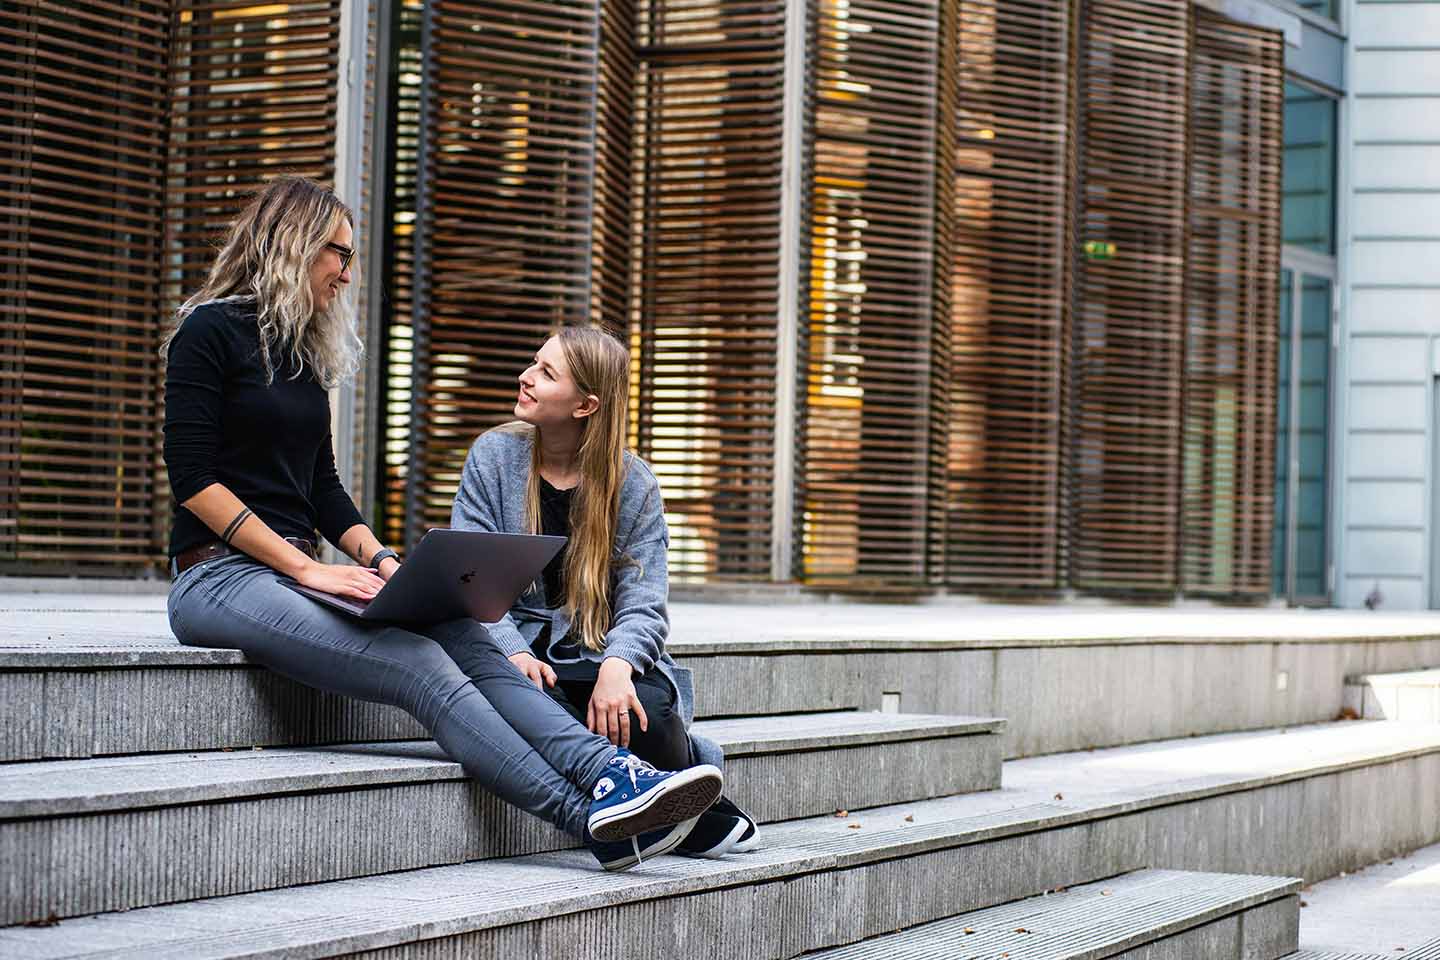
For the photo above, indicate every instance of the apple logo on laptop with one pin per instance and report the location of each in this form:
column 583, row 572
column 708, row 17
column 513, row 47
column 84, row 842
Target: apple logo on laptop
column 466, row 577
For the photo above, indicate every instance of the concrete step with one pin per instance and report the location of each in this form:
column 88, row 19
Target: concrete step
column 93, row 676
column 108, row 833
column 1306, row 802
column 1148, row 913
column 1332, row 955
column 1413, row 695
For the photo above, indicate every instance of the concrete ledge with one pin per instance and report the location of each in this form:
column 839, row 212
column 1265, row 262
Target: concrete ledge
column 254, row 820
column 1304, row 803
column 1412, row 695
column 65, row 691
column 1210, row 915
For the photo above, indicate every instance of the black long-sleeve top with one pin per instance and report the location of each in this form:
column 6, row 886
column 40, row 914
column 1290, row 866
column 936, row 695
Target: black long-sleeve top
column 270, row 444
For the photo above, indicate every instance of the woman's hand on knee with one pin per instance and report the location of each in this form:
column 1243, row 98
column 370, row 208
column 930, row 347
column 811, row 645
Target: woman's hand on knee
column 611, row 702
column 358, row 583
column 536, row 671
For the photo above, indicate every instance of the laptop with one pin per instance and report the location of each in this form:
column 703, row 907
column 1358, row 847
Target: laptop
column 452, row 574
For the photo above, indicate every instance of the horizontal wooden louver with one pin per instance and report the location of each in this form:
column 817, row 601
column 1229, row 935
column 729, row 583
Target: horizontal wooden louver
column 1236, row 110
column 864, row 464
column 1128, row 317
column 82, row 161
column 707, row 176
column 254, row 97
column 1010, row 271
column 509, row 160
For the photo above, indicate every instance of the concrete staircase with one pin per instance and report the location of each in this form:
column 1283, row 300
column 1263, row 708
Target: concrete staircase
column 162, row 802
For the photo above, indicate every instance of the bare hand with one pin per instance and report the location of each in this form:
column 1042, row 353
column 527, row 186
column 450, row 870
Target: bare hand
column 357, row 583
column 611, row 702
column 536, row 671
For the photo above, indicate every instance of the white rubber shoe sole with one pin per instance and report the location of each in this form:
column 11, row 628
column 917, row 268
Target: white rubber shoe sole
column 683, row 796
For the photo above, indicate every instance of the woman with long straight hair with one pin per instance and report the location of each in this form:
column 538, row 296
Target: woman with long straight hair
column 248, row 448
column 591, row 630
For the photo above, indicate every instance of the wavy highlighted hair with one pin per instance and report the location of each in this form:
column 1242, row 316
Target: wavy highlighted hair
column 266, row 258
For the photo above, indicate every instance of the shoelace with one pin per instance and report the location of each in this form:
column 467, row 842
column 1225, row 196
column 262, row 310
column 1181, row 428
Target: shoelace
column 634, row 764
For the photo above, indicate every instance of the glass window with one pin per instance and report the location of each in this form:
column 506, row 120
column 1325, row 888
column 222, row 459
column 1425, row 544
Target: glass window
column 1302, row 431
column 1280, row 579
column 1309, row 180
column 1324, row 8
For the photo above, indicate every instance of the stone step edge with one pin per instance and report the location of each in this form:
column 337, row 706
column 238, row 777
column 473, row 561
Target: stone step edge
column 1424, row 677
column 1063, row 924
column 399, row 762
column 512, row 891
column 32, row 656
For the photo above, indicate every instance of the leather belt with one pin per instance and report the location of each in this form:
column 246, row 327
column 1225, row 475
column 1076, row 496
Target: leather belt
column 209, row 551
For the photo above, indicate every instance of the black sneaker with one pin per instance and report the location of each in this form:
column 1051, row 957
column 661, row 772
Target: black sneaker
column 722, row 829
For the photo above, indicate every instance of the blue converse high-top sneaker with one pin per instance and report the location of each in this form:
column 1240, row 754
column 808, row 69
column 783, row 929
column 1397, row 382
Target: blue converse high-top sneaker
column 624, row 854
column 631, row 797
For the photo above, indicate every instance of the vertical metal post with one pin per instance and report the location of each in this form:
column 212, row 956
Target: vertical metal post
column 349, row 145
column 788, row 315
column 420, row 297
column 378, row 247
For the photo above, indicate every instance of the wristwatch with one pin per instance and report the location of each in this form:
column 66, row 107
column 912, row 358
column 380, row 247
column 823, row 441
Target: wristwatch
column 385, row 553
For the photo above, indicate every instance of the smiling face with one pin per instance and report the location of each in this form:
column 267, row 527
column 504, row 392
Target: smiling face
column 329, row 273
column 548, row 395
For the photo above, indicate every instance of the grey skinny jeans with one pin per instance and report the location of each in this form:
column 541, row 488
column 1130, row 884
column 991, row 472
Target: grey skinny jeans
column 511, row 738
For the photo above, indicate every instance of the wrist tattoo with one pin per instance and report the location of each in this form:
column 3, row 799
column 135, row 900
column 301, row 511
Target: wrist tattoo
column 235, row 525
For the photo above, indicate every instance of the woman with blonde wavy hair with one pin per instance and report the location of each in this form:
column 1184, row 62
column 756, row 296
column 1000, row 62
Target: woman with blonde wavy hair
column 591, row 631
column 248, row 448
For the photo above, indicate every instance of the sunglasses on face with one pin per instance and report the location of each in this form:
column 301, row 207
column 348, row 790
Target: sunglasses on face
column 346, row 255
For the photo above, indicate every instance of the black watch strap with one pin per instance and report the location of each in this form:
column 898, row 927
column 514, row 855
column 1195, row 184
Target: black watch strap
column 381, row 555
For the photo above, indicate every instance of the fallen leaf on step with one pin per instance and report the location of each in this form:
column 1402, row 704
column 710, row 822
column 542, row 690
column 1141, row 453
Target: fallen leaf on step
column 1059, row 796
column 854, row 826
column 1304, row 903
column 1104, row 893
column 842, row 813
column 49, row 921
column 968, row 931
column 1021, row 930
column 909, row 818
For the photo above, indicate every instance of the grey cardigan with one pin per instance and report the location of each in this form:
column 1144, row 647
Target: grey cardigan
column 492, row 497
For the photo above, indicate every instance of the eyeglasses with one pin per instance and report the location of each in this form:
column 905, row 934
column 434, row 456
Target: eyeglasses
column 346, row 255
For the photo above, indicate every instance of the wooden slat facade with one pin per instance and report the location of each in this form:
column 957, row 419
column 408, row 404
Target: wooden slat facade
column 1237, row 108
column 864, row 478
column 508, row 167
column 253, row 96
column 83, row 97
column 1010, row 278
column 981, row 406
column 707, row 183
column 1127, row 325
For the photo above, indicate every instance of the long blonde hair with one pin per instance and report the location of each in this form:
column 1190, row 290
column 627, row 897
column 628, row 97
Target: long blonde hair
column 266, row 258
column 600, row 365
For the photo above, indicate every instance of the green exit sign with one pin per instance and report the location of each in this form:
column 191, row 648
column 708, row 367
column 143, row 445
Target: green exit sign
column 1099, row 250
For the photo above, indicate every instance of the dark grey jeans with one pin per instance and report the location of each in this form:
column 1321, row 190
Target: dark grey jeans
column 514, row 740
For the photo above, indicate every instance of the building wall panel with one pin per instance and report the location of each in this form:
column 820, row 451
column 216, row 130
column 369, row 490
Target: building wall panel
column 1388, row 536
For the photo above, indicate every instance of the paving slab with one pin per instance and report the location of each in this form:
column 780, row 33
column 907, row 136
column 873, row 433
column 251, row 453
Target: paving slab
column 1217, row 916
column 1391, row 908
column 90, row 630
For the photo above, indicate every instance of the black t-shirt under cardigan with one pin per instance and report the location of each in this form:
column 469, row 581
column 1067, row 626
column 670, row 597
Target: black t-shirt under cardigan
column 270, row 444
